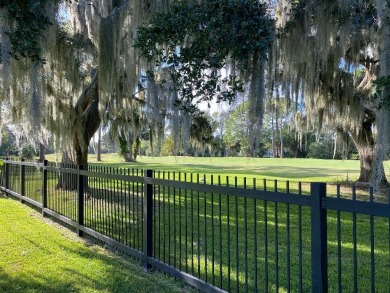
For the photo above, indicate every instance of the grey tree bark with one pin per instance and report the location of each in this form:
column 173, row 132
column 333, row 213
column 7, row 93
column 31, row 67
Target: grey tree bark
column 86, row 122
column 383, row 115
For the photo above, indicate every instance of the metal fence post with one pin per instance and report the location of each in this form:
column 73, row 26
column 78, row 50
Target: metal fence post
column 6, row 174
column 22, row 180
column 148, row 218
column 80, row 200
column 319, row 237
column 44, row 187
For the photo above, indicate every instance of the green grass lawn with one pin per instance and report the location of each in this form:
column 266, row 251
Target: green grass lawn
column 37, row 255
column 240, row 168
column 281, row 169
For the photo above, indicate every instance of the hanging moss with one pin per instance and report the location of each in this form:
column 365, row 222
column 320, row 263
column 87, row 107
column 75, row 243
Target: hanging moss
column 314, row 40
column 80, row 37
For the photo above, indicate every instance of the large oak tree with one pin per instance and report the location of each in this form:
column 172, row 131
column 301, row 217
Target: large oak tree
column 331, row 52
column 67, row 65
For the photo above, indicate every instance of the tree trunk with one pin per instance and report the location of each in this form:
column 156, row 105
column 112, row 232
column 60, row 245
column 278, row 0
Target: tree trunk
column 383, row 112
column 85, row 124
column 366, row 155
column 87, row 121
column 41, row 152
column 136, row 147
column 126, row 147
column 273, row 138
column 99, row 146
column 67, row 181
column 281, row 143
column 365, row 145
column 281, row 137
column 128, row 155
column 335, row 146
column 378, row 178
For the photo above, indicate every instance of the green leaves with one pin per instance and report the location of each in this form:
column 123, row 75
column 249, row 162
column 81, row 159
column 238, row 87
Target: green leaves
column 28, row 25
column 194, row 42
column 201, row 129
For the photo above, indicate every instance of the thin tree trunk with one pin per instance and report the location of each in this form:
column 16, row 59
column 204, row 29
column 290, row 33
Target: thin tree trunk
column 131, row 142
column 281, row 143
column 99, row 146
column 335, row 147
column 273, row 137
column 346, row 140
column 41, row 152
column 281, row 137
column 136, row 147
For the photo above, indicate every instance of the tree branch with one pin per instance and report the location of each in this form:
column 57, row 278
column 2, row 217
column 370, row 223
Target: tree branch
column 89, row 94
column 366, row 60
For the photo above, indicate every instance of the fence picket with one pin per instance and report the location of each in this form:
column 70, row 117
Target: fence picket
column 80, row 200
column 148, row 219
column 44, row 188
column 319, row 258
column 22, row 180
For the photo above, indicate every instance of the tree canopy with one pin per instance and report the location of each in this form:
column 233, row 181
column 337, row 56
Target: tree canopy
column 213, row 52
column 66, row 66
column 329, row 53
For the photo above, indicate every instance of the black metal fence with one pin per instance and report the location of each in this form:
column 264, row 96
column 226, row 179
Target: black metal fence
column 220, row 234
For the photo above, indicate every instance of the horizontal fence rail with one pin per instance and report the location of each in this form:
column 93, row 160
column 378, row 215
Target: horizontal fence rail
column 220, row 234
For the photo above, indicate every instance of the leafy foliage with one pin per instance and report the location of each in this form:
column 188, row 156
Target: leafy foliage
column 123, row 145
column 212, row 35
column 28, row 22
column 8, row 145
column 236, row 131
column 201, row 129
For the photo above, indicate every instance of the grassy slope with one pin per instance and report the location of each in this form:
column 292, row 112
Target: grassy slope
column 38, row 257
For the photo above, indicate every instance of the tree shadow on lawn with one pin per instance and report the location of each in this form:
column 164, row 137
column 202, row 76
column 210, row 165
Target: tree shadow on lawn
column 32, row 282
